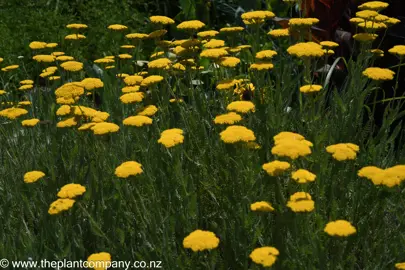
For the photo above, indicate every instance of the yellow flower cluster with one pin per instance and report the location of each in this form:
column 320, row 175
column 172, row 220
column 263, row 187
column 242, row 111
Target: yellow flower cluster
column 137, row 120
column 241, row 106
column 291, row 145
column 60, row 205
column 30, row 122
column 71, row 191
column 171, row 137
column 310, row 88
column 104, row 128
column 128, row 168
column 278, row 33
column 340, row 228
column 306, row 49
column 303, row 176
column 13, row 113
column 265, row 256
column 161, row 20
column 398, row 50
column 72, row 66
column 235, row 133
column 373, row 5
column 200, row 240
column 33, row 176
column 228, row 118
column 389, row 177
column 261, row 207
column 257, row 17
column 192, row 25
column 301, row 202
column 302, row 22
column 276, row 167
column 379, row 74
column 343, row 151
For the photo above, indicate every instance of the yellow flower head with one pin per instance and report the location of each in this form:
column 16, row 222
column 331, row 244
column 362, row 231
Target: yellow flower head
column 339, row 228
column 398, row 50
column 11, row 67
column 265, row 256
column 25, row 87
column 13, row 113
column 127, row 46
column 151, row 80
column 70, row 122
column 343, row 151
column 261, row 207
column 75, row 37
column 157, row 33
column 278, row 33
column 104, row 128
column 104, row 61
column 392, row 21
column 76, row 26
column 400, row 265
column 133, row 80
column 130, row 89
column 200, row 240
column 60, row 205
column 367, row 14
column 262, row 66
column 235, row 133
column 191, row 25
column 70, row 90
column 92, row 83
column 214, row 43
column 171, row 137
column 33, row 176
column 100, row 261
column 128, row 168
column 266, row 54
column 365, row 37
column 72, row 66
column 302, row 22
column 389, row 177
column 379, row 74
column 138, row 121
column 30, row 122
column 117, row 27
column 71, row 191
column 207, row 34
column 233, row 29
column 157, row 54
column 257, row 17
column 303, row 176
column 373, row 5
column 137, row 36
column 306, row 49
column 230, row 62
column 291, row 148
column 161, row 63
column 226, row 84
column 372, row 25
column 276, row 167
column 27, row 82
column 241, row 106
column 310, row 88
column 36, row 45
column 161, row 20
column 44, row 58
column 301, row 202
column 214, row 53
column 329, row 44
column 86, row 126
column 228, row 118
column 149, row 110
column 132, row 97
column 124, row 56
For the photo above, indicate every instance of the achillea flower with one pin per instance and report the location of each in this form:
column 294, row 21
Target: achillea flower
column 303, row 176
column 389, row 177
column 127, row 46
column 137, row 36
column 60, row 205
column 63, row 110
column 276, row 167
column 104, row 128
column 63, row 58
column 72, row 66
column 291, row 148
column 86, row 126
column 25, row 87
column 24, row 103
column 57, row 53
column 200, row 240
column 241, row 106
column 132, row 97
column 70, row 90
column 151, row 80
column 99, row 117
column 36, row 45
column 71, row 191
column 372, row 25
column 392, row 21
column 117, row 27
column 33, row 176
column 129, row 168
column 214, row 43
column 367, row 14
column 50, row 69
column 138, row 121
column 92, row 83
column 54, row 78
column 70, row 122
column 13, row 113
column 278, row 33
column 161, row 20
column 235, row 133
column 301, row 202
column 381, row 18
column 174, row 100
column 213, row 53
column 122, row 75
column 192, row 25
column 11, row 67
column 161, row 63
column 266, row 54
column 379, row 74
column 302, row 22
column 157, row 54
column 365, row 37
column 398, row 50
column 149, row 110
column 75, row 37
column 130, row 89
column 76, row 26
column 339, row 228
column 52, row 45
column 373, row 5
column 30, row 122
column 157, row 33
column 83, row 111
column 44, row 58
column 310, row 88
column 228, row 118
column 356, row 20
column 231, row 29
column 226, row 84
column 66, row 100
column 207, row 34
column 261, row 207
column 124, row 56
column 230, row 62
column 171, row 137
column 179, row 67
column 100, row 260
column 329, row 52
column 265, row 256
column 306, row 49
column 289, row 135
column 27, row 82
column 329, row 44
column 2, row 92
column 133, row 80
column 343, row 151
column 262, row 66
column 104, row 61
column 257, row 17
